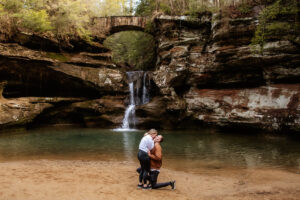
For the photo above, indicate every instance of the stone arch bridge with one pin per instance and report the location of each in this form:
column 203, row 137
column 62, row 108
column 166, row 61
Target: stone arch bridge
column 113, row 24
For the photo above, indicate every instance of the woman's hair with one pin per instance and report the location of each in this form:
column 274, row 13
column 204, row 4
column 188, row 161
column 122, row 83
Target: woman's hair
column 152, row 132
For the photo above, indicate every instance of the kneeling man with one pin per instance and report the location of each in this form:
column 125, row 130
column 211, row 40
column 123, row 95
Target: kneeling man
column 156, row 163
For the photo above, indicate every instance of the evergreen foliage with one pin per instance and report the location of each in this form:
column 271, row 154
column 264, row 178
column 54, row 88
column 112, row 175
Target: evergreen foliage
column 278, row 20
column 145, row 8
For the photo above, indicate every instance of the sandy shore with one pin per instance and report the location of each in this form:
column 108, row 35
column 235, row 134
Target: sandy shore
column 89, row 180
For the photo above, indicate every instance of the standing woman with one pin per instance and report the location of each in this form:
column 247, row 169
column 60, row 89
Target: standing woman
column 145, row 146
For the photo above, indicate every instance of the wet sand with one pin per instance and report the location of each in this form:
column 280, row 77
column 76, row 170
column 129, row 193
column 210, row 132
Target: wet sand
column 78, row 180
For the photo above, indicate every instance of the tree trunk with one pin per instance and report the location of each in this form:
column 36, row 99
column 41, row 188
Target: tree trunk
column 298, row 11
column 131, row 7
column 171, row 5
column 297, row 18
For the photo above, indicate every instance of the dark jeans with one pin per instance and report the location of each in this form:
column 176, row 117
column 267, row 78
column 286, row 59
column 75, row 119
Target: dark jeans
column 145, row 166
column 153, row 179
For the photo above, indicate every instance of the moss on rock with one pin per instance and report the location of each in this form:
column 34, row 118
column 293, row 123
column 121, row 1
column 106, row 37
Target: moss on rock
column 57, row 56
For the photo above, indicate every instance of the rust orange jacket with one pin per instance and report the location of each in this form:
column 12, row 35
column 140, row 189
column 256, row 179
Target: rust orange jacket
column 156, row 157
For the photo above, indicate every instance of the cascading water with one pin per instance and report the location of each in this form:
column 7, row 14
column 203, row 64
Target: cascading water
column 146, row 85
column 139, row 84
column 130, row 110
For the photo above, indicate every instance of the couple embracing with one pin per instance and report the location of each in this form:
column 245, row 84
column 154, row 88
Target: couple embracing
column 150, row 157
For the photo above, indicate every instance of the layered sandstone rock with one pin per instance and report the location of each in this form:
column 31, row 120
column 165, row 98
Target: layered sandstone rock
column 273, row 107
column 105, row 112
column 217, row 76
column 19, row 112
column 207, row 73
column 37, row 73
column 42, row 88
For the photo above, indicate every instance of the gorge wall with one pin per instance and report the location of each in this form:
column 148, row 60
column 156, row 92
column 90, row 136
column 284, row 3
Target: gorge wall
column 206, row 73
column 209, row 73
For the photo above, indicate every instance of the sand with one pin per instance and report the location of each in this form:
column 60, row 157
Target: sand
column 89, row 180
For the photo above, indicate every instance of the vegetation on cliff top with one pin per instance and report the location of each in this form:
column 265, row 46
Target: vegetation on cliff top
column 193, row 7
column 71, row 18
column 61, row 18
column 279, row 20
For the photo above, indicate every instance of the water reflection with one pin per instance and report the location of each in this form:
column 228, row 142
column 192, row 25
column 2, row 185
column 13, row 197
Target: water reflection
column 182, row 150
column 129, row 144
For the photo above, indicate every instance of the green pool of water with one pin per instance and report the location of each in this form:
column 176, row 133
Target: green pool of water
column 182, row 150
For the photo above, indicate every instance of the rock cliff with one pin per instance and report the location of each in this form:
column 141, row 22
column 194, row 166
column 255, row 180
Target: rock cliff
column 44, row 88
column 207, row 73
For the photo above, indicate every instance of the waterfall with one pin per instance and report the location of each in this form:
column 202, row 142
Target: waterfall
column 146, row 85
column 130, row 110
column 139, row 84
